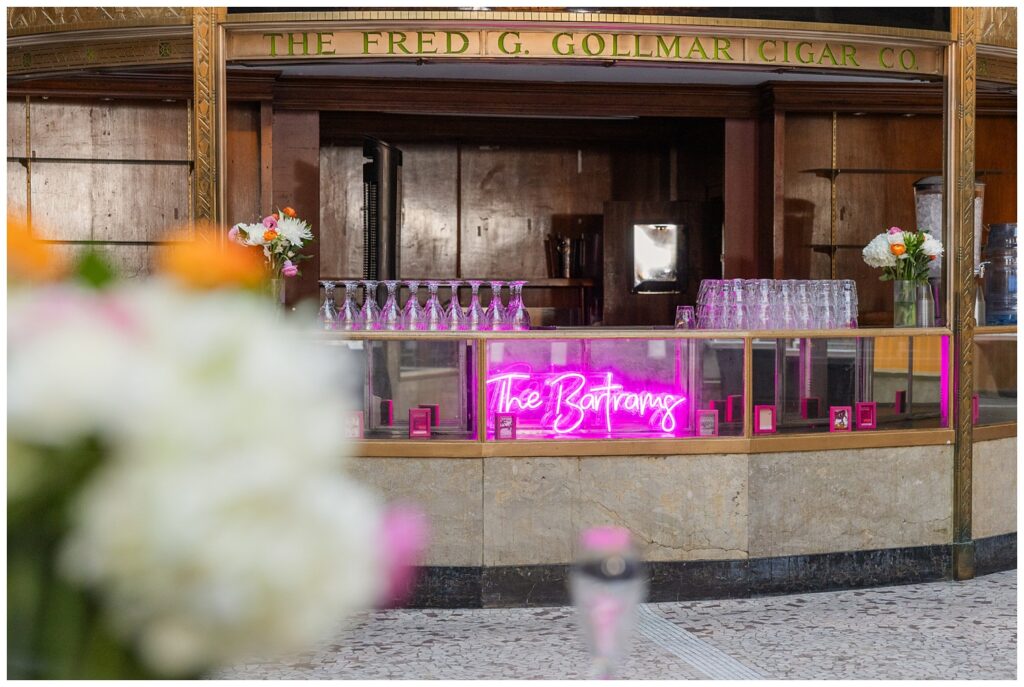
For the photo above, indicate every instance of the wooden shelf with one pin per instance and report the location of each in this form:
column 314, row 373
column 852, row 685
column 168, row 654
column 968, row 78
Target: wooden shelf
column 105, row 161
column 530, row 283
column 833, row 172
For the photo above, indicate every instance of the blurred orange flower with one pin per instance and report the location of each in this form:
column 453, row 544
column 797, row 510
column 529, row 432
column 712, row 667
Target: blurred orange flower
column 898, row 249
column 205, row 261
column 269, row 235
column 28, row 258
column 288, row 211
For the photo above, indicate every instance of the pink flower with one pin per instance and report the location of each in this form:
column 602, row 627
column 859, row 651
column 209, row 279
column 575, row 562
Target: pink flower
column 270, row 222
column 233, row 234
column 289, row 270
column 403, row 538
column 892, row 230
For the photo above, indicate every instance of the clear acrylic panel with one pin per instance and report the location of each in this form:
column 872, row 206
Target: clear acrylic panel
column 995, row 377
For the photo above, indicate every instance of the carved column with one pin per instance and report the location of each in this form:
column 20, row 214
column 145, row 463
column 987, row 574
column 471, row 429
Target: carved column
column 961, row 63
column 205, row 68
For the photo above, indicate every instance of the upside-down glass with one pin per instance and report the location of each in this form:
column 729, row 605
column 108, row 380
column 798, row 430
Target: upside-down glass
column 495, row 310
column 391, row 314
column 328, row 316
column 456, row 316
column 348, row 312
column 476, row 315
column 433, row 314
column 370, row 312
column 516, row 314
column 412, row 313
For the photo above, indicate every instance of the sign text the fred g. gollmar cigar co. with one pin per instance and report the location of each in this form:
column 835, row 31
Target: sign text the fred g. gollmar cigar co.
column 451, row 43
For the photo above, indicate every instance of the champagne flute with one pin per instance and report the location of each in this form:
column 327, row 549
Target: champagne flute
column 476, row 315
column 370, row 312
column 456, row 315
column 495, row 310
column 412, row 314
column 328, row 316
column 518, row 317
column 433, row 313
column 391, row 314
column 348, row 313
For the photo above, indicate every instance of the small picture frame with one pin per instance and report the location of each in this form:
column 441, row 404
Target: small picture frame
column 504, row 426
column 387, row 413
column 707, row 423
column 899, row 404
column 419, row 423
column 975, row 409
column 867, row 415
column 734, row 408
column 840, row 419
column 810, row 407
column 435, row 413
column 352, row 425
column 764, row 420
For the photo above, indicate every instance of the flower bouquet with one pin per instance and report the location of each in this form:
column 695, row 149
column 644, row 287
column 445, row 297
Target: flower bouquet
column 905, row 258
column 281, row 235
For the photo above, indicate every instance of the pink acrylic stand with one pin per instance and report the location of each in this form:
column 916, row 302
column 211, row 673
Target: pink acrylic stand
column 707, row 423
column 764, row 420
column 867, row 415
column 504, row 426
column 419, row 423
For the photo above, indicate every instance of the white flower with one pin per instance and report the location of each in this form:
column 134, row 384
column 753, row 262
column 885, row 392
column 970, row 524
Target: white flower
column 877, row 253
column 895, row 237
column 253, row 234
column 931, row 246
column 294, row 230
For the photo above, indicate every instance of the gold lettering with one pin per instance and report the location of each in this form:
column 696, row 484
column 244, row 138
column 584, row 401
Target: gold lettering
column 424, row 40
column 571, row 49
column 273, row 42
column 323, row 40
column 600, row 44
column 697, row 46
column 448, row 42
column 636, row 47
column 399, row 43
column 762, row 55
column 800, row 55
column 904, row 61
column 615, row 47
column 850, row 55
column 827, row 53
column 291, row 43
column 517, row 47
column 367, row 42
column 881, row 58
column 664, row 49
column 722, row 48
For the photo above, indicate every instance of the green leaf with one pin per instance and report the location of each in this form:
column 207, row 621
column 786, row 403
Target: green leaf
column 93, row 269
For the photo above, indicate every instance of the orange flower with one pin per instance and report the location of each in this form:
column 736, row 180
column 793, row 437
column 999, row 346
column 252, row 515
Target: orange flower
column 898, row 249
column 28, row 258
column 288, row 211
column 269, row 235
column 933, row 257
column 205, row 261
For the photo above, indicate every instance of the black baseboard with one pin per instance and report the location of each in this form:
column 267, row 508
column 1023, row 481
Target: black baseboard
column 546, row 585
column 995, row 554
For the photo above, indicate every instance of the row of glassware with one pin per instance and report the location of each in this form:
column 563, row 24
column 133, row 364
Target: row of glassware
column 777, row 304
column 432, row 315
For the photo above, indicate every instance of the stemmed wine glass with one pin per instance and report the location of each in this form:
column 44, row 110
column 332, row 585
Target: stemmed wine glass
column 495, row 310
column 433, row 313
column 412, row 314
column 391, row 314
column 328, row 316
column 516, row 315
column 456, row 315
column 348, row 313
column 370, row 312
column 476, row 316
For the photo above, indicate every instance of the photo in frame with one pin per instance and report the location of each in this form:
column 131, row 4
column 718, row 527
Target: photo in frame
column 867, row 415
column 504, row 426
column 419, row 423
column 707, row 423
column 840, row 419
column 764, row 420
column 352, row 425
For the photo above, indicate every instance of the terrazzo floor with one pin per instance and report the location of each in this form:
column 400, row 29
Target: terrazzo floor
column 940, row 630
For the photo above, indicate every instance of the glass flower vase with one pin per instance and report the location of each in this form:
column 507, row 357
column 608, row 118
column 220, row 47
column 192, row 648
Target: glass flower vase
column 904, row 303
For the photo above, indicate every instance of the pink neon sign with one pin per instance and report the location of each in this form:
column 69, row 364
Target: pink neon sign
column 572, row 403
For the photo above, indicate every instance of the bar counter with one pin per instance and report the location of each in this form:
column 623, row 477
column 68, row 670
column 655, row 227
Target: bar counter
column 781, row 494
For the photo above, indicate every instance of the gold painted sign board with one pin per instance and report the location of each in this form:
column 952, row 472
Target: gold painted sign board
column 576, row 44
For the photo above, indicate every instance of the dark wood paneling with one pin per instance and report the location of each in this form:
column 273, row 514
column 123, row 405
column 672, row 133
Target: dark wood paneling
column 516, row 98
column 621, row 307
column 242, row 175
column 341, row 211
column 874, row 98
column 996, row 141
column 740, row 232
column 296, row 167
column 805, row 204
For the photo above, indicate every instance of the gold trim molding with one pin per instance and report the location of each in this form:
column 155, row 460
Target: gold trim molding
column 997, row 26
column 61, row 56
column 25, row 21
column 206, row 66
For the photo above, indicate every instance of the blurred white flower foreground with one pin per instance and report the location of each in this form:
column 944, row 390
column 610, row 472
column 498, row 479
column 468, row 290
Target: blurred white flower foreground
column 222, row 522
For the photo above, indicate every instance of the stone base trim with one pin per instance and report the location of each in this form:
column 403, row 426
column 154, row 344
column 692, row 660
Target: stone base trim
column 547, row 585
